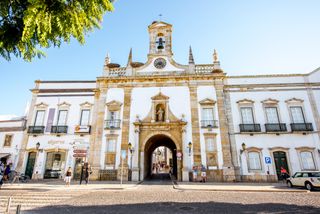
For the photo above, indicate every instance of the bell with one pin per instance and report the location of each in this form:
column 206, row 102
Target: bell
column 160, row 42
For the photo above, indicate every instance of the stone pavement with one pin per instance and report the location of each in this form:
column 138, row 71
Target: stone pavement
column 115, row 185
column 237, row 187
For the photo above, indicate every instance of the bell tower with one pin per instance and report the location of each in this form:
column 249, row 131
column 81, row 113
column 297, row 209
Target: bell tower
column 160, row 39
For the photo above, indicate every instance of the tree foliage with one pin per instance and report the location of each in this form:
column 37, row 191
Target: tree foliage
column 26, row 26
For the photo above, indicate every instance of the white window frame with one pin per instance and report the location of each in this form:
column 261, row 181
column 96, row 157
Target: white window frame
column 36, row 116
column 252, row 114
column 81, row 116
column 65, row 122
column 302, row 113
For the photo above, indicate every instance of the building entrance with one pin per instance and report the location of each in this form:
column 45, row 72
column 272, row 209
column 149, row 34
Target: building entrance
column 160, row 159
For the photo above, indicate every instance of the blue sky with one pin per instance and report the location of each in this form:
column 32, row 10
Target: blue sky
column 252, row 37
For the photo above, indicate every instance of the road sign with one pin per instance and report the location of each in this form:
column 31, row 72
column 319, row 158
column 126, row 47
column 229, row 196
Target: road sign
column 79, row 155
column 79, row 151
column 267, row 160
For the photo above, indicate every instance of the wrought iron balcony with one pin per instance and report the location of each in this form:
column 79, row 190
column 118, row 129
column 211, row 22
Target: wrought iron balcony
column 250, row 128
column 35, row 129
column 59, row 129
column 276, row 127
column 300, row 127
column 112, row 124
column 209, row 123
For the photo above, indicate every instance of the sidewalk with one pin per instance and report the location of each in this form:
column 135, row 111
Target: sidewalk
column 60, row 184
column 237, row 187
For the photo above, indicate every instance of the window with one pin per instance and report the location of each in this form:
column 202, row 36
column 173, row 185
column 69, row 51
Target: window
column 112, row 115
column 247, row 115
column 85, row 117
column 297, row 114
column 111, row 145
column 307, row 161
column 39, row 119
column 62, row 118
column 210, row 145
column 272, row 114
column 207, row 113
column 254, row 161
column 7, row 140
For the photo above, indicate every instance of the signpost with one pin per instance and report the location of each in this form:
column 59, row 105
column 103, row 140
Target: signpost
column 267, row 160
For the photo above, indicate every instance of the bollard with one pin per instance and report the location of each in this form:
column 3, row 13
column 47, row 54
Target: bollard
column 8, row 206
column 18, row 209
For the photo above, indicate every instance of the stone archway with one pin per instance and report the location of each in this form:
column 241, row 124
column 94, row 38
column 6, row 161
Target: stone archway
column 155, row 142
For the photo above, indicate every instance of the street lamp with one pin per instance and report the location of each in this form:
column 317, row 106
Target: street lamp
column 131, row 150
column 244, row 147
column 189, row 147
column 37, row 146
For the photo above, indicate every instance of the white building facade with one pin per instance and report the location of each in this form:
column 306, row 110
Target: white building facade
column 240, row 128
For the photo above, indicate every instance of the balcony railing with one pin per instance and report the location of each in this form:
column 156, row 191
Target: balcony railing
column 276, row 127
column 301, row 127
column 35, row 129
column 209, row 123
column 112, row 124
column 59, row 129
column 250, row 128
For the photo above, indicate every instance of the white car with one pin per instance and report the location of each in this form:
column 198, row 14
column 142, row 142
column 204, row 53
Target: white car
column 309, row 180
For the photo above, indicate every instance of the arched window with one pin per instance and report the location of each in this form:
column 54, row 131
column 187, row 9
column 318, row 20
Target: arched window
column 307, row 160
column 254, row 161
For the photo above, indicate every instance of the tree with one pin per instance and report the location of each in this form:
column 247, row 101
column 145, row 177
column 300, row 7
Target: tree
column 26, row 26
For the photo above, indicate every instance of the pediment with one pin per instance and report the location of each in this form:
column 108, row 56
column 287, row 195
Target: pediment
column 207, row 101
column 114, row 105
column 245, row 101
column 41, row 105
column 294, row 100
column 160, row 96
column 64, row 105
column 86, row 105
column 270, row 101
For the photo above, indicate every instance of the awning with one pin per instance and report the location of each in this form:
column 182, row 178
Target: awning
column 3, row 155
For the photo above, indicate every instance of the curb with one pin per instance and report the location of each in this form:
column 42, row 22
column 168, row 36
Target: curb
column 176, row 186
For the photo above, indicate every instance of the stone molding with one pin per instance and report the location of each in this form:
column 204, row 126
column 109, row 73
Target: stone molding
column 114, row 105
column 207, row 102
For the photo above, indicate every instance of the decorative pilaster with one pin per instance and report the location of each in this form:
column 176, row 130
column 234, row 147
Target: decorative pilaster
column 195, row 125
column 228, row 167
column 125, row 131
column 97, row 131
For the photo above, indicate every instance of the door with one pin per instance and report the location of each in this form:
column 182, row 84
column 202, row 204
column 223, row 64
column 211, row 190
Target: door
column 77, row 168
column 30, row 164
column 280, row 160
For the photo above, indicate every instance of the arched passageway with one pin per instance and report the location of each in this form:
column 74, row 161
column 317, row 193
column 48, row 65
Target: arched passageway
column 152, row 144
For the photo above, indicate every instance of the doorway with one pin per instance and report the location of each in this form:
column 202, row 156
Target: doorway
column 160, row 161
column 30, row 164
column 280, row 160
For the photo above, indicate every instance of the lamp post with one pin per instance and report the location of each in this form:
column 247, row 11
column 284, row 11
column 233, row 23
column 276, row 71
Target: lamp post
column 189, row 148
column 35, row 172
column 131, row 150
column 243, row 148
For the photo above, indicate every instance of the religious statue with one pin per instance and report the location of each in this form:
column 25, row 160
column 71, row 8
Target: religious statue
column 160, row 113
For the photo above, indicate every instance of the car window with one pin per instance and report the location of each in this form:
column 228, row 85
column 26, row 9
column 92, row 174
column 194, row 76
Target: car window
column 315, row 174
column 305, row 175
column 298, row 175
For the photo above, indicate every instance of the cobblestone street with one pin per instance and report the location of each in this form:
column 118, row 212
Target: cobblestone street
column 161, row 197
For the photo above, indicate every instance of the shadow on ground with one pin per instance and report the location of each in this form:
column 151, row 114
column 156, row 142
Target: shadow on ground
column 173, row 207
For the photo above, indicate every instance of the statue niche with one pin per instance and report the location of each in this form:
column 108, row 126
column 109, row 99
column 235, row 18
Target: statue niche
column 160, row 113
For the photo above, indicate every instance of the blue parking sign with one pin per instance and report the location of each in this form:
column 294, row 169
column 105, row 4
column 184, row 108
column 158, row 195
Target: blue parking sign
column 267, row 160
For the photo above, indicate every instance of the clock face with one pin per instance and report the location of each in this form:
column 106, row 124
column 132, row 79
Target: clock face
column 160, row 63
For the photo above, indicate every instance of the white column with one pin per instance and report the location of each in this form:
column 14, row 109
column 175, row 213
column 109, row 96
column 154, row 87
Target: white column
column 135, row 155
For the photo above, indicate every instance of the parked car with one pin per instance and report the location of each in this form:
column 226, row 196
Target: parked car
column 310, row 180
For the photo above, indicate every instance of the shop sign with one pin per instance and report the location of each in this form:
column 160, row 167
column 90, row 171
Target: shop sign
column 79, row 151
column 80, row 155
